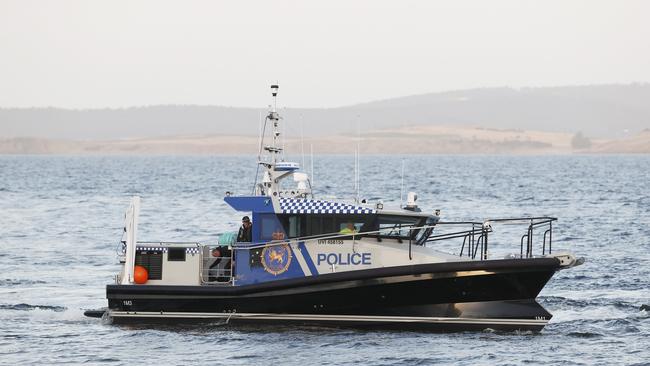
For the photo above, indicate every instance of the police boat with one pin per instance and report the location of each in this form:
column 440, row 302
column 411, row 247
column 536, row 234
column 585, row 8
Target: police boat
column 334, row 263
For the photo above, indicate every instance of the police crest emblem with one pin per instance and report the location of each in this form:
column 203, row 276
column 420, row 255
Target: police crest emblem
column 276, row 258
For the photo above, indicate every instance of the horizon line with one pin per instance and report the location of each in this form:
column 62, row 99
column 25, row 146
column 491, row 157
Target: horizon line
column 162, row 104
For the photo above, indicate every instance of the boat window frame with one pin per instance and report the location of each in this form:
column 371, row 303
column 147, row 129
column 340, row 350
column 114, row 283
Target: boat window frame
column 270, row 227
column 329, row 225
column 176, row 254
column 323, row 225
column 418, row 221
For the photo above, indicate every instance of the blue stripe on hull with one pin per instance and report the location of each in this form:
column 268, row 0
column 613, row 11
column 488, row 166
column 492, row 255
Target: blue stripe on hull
column 310, row 263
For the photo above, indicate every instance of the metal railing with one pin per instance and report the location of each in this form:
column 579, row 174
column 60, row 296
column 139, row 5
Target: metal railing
column 165, row 243
column 215, row 270
column 217, row 275
column 219, row 270
column 475, row 239
column 328, row 236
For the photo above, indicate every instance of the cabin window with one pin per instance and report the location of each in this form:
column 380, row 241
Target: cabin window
column 401, row 227
column 314, row 225
column 152, row 261
column 350, row 226
column 176, row 254
column 271, row 228
column 327, row 225
column 324, row 225
column 423, row 234
column 294, row 226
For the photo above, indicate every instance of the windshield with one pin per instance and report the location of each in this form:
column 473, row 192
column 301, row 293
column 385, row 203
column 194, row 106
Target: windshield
column 314, row 225
column 398, row 227
column 423, row 234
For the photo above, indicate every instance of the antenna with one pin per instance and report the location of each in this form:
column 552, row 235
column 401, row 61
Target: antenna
column 401, row 190
column 261, row 138
column 311, row 174
column 356, row 183
column 276, row 168
column 262, row 130
column 302, row 142
column 284, row 133
column 274, row 150
column 274, row 92
column 273, row 116
column 358, row 161
column 358, row 173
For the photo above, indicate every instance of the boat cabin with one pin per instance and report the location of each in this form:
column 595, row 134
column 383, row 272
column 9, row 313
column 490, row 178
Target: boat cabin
column 305, row 237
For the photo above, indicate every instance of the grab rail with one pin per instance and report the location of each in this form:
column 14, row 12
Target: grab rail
column 221, row 274
column 476, row 238
column 258, row 245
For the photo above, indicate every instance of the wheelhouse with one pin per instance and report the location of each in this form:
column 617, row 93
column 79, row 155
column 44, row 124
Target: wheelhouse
column 396, row 226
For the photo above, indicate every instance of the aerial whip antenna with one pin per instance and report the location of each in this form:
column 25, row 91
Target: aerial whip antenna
column 311, row 174
column 358, row 159
column 401, row 190
column 302, row 142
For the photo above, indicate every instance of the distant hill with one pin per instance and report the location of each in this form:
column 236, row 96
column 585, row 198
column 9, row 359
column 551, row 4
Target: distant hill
column 404, row 140
column 638, row 144
column 600, row 111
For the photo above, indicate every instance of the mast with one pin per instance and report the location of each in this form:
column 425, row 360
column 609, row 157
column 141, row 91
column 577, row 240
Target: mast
column 274, row 167
column 274, row 117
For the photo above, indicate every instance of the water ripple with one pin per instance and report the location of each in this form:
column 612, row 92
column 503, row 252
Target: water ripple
column 61, row 218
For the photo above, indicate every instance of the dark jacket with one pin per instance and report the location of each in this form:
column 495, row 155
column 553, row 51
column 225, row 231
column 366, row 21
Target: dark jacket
column 244, row 234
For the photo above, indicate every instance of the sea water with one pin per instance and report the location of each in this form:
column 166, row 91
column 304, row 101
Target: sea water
column 61, row 219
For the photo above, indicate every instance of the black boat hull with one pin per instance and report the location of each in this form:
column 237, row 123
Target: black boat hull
column 497, row 294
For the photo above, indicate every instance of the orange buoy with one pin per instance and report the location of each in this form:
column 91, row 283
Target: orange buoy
column 140, row 275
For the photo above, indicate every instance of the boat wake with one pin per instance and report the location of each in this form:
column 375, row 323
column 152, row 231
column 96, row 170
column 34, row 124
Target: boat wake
column 19, row 282
column 27, row 307
column 563, row 302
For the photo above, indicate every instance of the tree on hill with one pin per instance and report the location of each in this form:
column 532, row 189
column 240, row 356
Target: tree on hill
column 579, row 141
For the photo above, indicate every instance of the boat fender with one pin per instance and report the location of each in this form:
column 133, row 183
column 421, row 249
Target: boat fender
column 140, row 275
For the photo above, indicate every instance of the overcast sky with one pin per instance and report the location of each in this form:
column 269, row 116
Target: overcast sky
column 88, row 54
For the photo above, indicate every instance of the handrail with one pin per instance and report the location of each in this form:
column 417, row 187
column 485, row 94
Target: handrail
column 479, row 241
column 529, row 252
column 550, row 239
column 462, row 247
column 257, row 245
column 212, row 275
column 474, row 245
column 521, row 250
column 169, row 242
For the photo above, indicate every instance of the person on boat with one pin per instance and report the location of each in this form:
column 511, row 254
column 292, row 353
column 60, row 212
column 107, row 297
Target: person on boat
column 245, row 232
column 278, row 234
column 348, row 229
column 221, row 273
column 216, row 271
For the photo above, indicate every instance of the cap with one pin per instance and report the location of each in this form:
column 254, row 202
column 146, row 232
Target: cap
column 245, row 218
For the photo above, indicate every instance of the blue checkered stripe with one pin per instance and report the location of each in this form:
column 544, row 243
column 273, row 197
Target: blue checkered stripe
column 150, row 249
column 192, row 251
column 301, row 205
